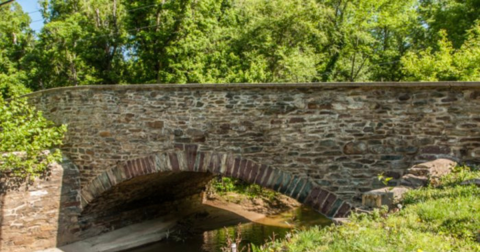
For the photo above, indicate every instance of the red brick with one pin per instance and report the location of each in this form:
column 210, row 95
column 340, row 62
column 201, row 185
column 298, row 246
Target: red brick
column 143, row 166
column 237, row 167
column 127, row 168
column 151, row 164
column 265, row 179
column 138, row 167
column 328, row 203
column 174, row 162
column 191, row 154
column 229, row 166
column 215, row 163
column 242, row 169
column 248, row 170
column 343, row 210
column 260, row 174
column 312, row 196
column 201, row 165
column 322, row 196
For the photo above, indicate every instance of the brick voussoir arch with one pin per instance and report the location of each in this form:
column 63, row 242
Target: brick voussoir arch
column 187, row 158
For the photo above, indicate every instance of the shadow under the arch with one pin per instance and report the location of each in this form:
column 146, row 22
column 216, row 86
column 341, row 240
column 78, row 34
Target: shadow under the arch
column 143, row 198
column 197, row 219
column 187, row 158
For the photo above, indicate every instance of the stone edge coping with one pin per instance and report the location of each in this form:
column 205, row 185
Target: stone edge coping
column 320, row 85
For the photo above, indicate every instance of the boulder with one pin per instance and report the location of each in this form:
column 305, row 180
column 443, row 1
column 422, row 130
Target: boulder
column 421, row 174
column 388, row 196
column 413, row 181
column 433, row 169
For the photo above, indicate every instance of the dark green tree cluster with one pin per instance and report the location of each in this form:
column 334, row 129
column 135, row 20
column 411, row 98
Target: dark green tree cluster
column 230, row 41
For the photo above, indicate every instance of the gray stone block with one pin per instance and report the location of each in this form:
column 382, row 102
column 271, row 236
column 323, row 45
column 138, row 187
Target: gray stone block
column 388, row 196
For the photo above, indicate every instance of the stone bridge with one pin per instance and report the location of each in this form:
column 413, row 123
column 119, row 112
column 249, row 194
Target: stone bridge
column 135, row 148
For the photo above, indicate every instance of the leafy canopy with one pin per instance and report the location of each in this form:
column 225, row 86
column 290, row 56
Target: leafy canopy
column 447, row 63
column 15, row 42
column 85, row 42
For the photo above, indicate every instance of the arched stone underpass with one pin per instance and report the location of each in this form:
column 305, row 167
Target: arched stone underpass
column 323, row 143
column 142, row 188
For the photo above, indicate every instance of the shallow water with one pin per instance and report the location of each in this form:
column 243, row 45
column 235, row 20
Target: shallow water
column 256, row 232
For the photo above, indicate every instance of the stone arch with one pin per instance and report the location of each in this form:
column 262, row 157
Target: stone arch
column 187, row 158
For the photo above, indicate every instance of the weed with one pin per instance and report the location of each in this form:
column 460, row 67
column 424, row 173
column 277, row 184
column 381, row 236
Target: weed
column 443, row 218
column 223, row 185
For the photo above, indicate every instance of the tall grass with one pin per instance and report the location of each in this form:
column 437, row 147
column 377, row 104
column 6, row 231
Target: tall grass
column 444, row 217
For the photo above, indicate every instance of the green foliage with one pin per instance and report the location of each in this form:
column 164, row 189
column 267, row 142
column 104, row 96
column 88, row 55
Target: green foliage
column 81, row 43
column 384, row 179
column 453, row 16
column 224, row 185
column 26, row 132
column 445, row 218
column 15, row 42
column 446, row 63
column 238, row 41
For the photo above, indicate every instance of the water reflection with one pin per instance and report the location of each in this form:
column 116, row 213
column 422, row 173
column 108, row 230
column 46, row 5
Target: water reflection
column 251, row 232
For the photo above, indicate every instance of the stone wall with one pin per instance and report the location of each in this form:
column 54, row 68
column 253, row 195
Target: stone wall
column 340, row 136
column 41, row 214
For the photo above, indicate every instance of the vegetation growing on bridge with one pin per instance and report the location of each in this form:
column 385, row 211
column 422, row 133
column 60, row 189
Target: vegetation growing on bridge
column 25, row 135
column 441, row 218
column 223, row 185
column 230, row 41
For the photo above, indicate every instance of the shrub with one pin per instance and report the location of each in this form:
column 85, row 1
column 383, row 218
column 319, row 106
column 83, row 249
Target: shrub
column 442, row 218
column 25, row 135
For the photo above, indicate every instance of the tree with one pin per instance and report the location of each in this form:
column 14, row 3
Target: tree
column 174, row 41
column 15, row 42
column 82, row 43
column 454, row 16
column 279, row 41
column 447, row 63
column 366, row 39
column 230, row 41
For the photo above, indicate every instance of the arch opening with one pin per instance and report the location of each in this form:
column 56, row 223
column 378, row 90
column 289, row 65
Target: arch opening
column 143, row 198
column 189, row 170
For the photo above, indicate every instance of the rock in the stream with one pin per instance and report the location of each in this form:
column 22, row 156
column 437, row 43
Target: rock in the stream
column 387, row 196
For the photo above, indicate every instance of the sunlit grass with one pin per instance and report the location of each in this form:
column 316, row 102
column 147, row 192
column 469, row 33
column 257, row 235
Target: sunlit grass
column 441, row 218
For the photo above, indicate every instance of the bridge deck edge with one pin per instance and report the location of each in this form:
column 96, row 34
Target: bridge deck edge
column 320, row 85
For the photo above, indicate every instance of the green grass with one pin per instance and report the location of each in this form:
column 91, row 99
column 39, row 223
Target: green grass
column 441, row 218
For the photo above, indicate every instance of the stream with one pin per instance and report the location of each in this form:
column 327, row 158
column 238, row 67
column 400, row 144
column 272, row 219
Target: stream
column 211, row 232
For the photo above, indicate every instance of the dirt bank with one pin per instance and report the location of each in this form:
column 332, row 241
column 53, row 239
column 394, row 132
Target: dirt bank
column 262, row 205
column 227, row 209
